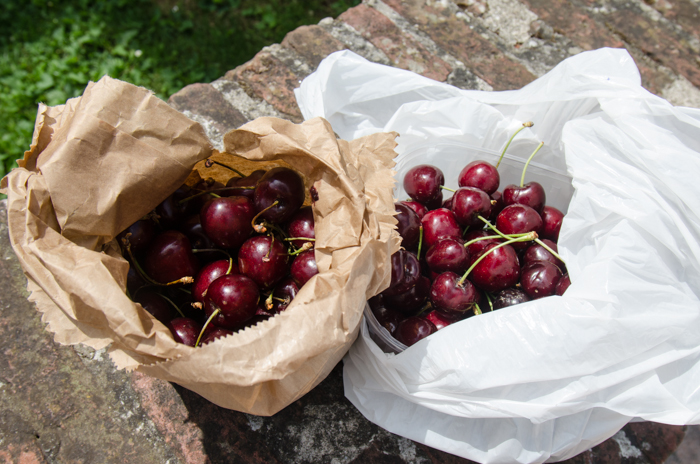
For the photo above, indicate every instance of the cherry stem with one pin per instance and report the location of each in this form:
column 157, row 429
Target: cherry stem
column 477, row 309
column 488, row 298
column 173, row 304
column 303, row 248
column 268, row 302
column 420, row 241
column 262, row 212
column 493, row 228
column 203, row 192
column 207, row 250
column 206, row 324
column 447, row 188
column 525, row 124
column 544, row 245
column 522, row 178
column 526, row 238
column 210, row 162
column 489, row 237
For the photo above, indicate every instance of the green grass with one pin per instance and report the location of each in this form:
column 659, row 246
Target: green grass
column 50, row 50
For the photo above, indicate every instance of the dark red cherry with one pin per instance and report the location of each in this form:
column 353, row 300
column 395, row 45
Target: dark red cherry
column 176, row 208
column 509, row 297
column 283, row 186
column 408, row 226
column 551, row 219
column 476, row 248
column 264, row 259
column 439, row 319
column 519, row 219
column 235, row 296
column 413, row 329
column 419, row 208
column 184, row 330
column 227, row 220
column 304, row 267
column 531, row 194
column 285, row 291
column 302, row 225
column 209, row 274
column 215, row 333
column 448, row 254
column 438, row 223
column 423, row 183
column 192, row 228
column 539, row 279
column 170, row 258
column 562, row 285
column 497, row 205
column 451, row 297
column 468, row 204
column 155, row 304
column 498, row 270
column 413, row 299
column 405, row 272
column 480, row 174
column 536, row 252
column 139, row 236
column 243, row 186
column 386, row 317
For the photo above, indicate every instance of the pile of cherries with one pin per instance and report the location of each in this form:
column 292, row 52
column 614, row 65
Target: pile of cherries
column 479, row 250
column 213, row 259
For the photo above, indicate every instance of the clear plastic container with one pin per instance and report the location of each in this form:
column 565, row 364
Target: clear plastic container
column 451, row 157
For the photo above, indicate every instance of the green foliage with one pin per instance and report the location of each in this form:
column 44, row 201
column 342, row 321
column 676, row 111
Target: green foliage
column 50, row 51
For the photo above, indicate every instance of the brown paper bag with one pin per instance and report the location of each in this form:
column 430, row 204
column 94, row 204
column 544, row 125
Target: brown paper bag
column 102, row 161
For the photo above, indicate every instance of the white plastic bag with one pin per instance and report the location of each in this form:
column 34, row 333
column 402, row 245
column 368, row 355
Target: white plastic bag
column 548, row 379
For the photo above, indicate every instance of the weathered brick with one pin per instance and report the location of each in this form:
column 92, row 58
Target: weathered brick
column 267, row 78
column 206, row 101
column 403, row 50
column 313, row 43
column 685, row 13
column 454, row 36
column 656, row 441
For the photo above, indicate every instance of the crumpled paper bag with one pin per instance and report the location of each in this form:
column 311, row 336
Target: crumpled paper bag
column 104, row 160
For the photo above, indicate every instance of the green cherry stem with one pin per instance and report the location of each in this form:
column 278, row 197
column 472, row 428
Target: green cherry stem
column 206, row 324
column 420, row 242
column 522, row 178
column 448, row 189
column 173, row 304
column 525, row 124
column 526, row 238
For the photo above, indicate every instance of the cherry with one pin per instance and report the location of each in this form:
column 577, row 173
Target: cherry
column 468, row 204
column 519, row 219
column 138, row 235
column 419, row 208
column 476, row 248
column 156, row 305
column 173, row 210
column 536, row 252
column 509, row 297
column 551, row 219
column 134, row 281
column 413, row 299
column 499, row 268
column 448, row 254
column 170, row 258
column 209, row 274
column 450, row 296
column 562, row 285
column 284, row 293
column 235, row 297
column 423, row 183
column 264, row 259
column 497, row 205
column 531, row 194
column 405, row 272
column 481, row 175
column 227, row 220
column 244, row 186
column 408, row 226
column 438, row 223
column 279, row 194
column 435, row 203
column 387, row 317
column 439, row 319
column 539, row 279
column 304, row 267
column 194, row 231
column 302, row 225
column 413, row 329
column 184, row 330
column 214, row 334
